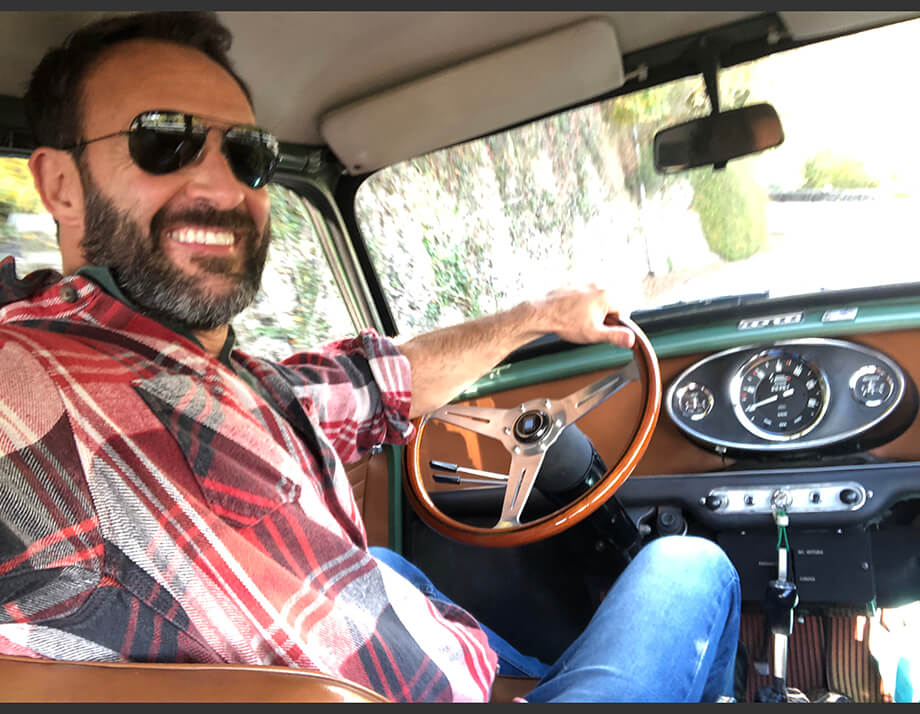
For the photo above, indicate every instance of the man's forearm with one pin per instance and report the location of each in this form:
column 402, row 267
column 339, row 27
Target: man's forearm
column 445, row 361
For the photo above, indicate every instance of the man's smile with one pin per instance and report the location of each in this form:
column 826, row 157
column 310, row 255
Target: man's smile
column 202, row 236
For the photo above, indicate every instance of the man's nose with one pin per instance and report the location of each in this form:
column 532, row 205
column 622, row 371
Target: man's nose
column 211, row 177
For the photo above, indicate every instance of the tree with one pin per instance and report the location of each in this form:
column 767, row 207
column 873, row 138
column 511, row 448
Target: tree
column 481, row 224
column 299, row 306
column 825, row 169
column 17, row 190
column 732, row 209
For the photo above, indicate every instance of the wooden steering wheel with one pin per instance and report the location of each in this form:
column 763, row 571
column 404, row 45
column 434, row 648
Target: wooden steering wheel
column 527, row 431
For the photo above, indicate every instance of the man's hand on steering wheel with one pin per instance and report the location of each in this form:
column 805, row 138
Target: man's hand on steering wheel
column 582, row 315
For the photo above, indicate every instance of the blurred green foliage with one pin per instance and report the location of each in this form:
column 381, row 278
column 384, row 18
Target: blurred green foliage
column 826, row 169
column 732, row 208
column 299, row 305
column 17, row 191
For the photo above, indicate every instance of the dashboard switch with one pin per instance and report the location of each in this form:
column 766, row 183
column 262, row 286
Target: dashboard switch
column 815, row 497
column 713, row 502
column 849, row 496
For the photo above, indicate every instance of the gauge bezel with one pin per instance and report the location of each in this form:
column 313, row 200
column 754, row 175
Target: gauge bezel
column 695, row 386
column 734, row 392
column 814, row 440
column 862, row 372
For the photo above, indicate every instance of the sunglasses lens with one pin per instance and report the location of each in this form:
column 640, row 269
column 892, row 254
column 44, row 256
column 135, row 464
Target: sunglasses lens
column 252, row 153
column 161, row 142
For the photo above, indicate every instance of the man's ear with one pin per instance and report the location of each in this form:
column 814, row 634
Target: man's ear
column 57, row 181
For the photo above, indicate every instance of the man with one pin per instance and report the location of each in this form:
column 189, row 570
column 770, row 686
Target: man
column 164, row 497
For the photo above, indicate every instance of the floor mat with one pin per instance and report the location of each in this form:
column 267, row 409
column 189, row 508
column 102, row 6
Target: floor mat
column 805, row 661
column 851, row 668
column 534, row 595
column 825, row 652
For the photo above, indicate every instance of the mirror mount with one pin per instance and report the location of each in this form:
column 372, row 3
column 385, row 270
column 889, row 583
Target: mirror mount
column 709, row 66
column 715, row 139
column 708, row 57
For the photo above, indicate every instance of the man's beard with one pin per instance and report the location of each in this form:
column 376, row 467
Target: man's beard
column 152, row 281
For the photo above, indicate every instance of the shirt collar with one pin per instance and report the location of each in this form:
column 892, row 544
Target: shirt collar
column 102, row 276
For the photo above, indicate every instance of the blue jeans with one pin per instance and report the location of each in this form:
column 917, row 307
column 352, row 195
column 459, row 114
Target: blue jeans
column 667, row 631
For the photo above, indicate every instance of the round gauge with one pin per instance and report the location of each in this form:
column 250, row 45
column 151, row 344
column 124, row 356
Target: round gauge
column 871, row 385
column 777, row 395
column 693, row 401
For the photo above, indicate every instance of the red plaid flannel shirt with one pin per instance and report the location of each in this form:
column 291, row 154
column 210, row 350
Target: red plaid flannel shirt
column 154, row 507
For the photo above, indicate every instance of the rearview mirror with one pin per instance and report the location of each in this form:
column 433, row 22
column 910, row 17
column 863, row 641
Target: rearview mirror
column 715, row 139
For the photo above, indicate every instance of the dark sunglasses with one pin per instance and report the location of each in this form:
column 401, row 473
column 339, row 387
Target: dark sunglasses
column 163, row 141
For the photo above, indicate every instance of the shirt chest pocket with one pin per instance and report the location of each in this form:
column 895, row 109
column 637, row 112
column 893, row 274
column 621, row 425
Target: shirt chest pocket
column 243, row 472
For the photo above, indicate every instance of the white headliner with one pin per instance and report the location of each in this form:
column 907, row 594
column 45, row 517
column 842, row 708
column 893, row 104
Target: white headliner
column 302, row 64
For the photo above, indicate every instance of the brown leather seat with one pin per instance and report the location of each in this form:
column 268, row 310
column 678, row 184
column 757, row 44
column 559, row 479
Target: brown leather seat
column 23, row 679
column 506, row 688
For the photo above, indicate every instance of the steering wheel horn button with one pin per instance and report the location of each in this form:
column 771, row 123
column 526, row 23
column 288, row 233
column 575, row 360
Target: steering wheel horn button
column 531, row 426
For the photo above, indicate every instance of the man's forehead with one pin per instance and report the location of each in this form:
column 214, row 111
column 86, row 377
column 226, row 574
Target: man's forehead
column 139, row 75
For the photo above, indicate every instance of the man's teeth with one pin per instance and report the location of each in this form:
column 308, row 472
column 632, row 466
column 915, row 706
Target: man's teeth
column 202, row 237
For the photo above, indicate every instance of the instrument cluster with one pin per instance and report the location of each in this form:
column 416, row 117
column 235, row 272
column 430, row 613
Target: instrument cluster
column 787, row 396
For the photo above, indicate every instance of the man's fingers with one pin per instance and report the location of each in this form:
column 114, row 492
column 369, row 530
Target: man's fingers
column 622, row 336
column 613, row 318
column 618, row 335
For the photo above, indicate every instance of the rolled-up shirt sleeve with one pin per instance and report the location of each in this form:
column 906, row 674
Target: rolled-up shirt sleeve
column 358, row 390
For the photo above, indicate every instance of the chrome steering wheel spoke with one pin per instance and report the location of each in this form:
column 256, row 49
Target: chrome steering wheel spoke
column 579, row 403
column 525, row 466
column 483, row 420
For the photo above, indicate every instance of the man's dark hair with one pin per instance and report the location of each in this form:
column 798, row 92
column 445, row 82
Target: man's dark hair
column 54, row 99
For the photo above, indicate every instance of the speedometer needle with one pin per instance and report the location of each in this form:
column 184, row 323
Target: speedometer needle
column 768, row 400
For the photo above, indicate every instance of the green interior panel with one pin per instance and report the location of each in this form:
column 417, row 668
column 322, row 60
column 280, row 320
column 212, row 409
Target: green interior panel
column 878, row 316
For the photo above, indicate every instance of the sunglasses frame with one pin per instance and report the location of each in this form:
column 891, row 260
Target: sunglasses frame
column 204, row 124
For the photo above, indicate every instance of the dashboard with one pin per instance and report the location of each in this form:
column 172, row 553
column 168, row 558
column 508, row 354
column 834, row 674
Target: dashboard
column 799, row 418
column 825, row 423
column 791, row 397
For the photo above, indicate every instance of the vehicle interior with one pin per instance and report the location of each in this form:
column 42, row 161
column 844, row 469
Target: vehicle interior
column 745, row 184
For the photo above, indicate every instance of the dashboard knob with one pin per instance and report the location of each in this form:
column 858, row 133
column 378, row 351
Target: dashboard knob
column 849, row 496
column 713, row 502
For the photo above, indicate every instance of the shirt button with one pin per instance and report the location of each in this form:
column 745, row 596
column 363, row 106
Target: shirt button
column 68, row 293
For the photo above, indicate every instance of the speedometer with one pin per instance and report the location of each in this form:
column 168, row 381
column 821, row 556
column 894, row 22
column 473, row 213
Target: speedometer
column 779, row 396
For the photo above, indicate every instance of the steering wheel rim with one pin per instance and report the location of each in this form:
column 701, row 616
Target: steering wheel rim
column 509, row 534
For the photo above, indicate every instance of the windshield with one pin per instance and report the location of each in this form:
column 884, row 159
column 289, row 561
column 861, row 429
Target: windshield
column 575, row 198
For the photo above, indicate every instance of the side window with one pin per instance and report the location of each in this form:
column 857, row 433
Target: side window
column 27, row 230
column 298, row 307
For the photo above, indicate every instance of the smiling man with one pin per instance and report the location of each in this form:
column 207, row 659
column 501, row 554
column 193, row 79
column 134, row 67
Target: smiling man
column 166, row 497
column 184, row 246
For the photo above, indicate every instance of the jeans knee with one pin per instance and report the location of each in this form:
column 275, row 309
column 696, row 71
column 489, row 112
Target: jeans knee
column 700, row 556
